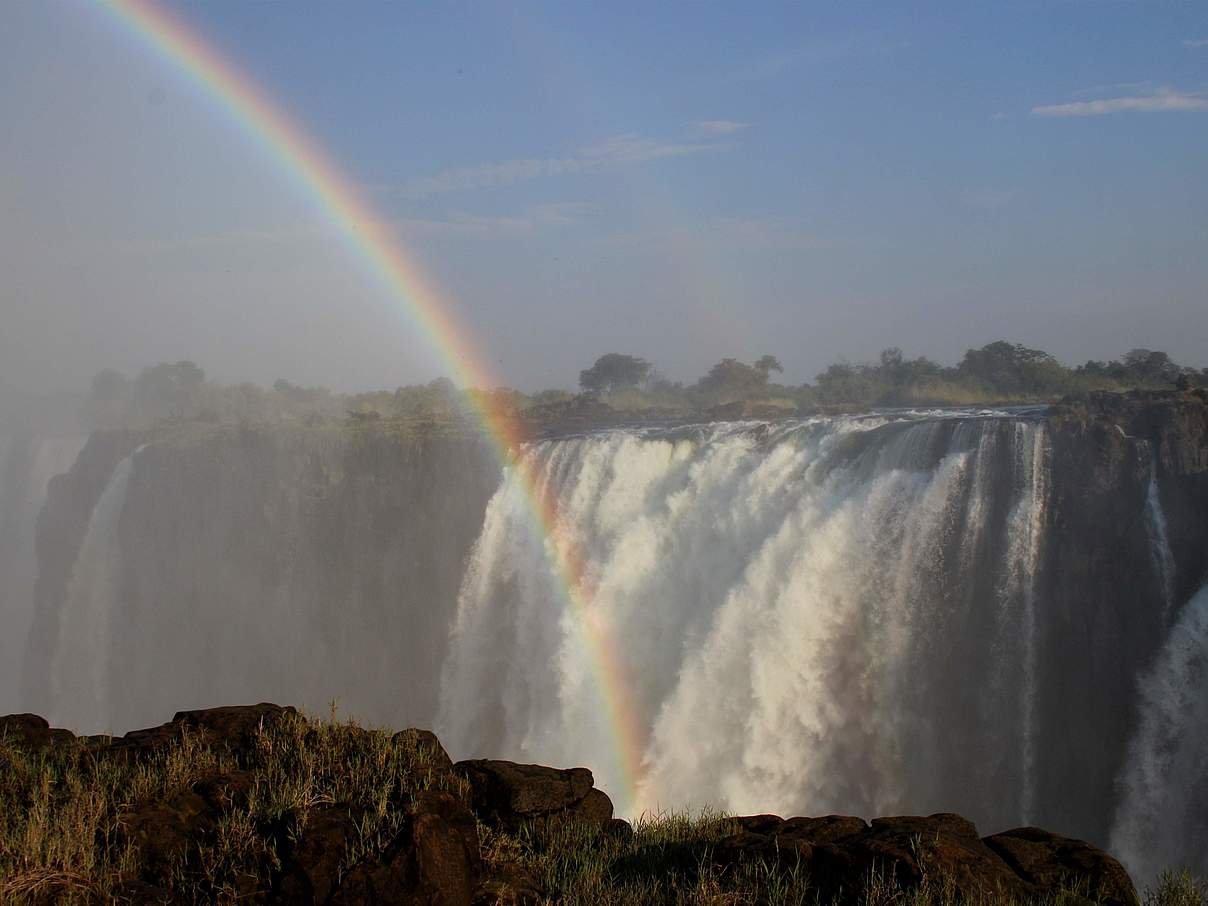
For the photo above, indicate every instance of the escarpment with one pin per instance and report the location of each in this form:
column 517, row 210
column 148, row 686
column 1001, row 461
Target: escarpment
column 972, row 611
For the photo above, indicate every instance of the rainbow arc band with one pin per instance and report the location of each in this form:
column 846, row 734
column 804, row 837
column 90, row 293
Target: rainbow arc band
column 299, row 157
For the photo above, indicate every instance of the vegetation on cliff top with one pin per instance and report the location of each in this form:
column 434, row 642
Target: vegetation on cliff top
column 999, row 372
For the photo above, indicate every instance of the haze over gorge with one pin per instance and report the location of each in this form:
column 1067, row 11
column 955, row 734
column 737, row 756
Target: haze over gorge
column 994, row 611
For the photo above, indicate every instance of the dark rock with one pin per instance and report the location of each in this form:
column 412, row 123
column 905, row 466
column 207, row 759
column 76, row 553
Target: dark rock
column 1050, row 861
column 595, row 806
column 313, row 864
column 236, row 726
column 841, row 854
column 1105, row 449
column 618, row 828
column 233, row 728
column 33, row 732
column 826, row 829
column 435, row 861
column 745, row 846
column 508, row 794
column 225, row 792
column 942, row 846
column 445, row 861
column 760, row 824
column 427, row 745
column 166, row 831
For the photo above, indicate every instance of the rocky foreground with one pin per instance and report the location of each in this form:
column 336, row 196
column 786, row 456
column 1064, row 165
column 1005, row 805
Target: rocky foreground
column 258, row 804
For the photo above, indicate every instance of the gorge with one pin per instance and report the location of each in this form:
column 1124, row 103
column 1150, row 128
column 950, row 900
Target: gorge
column 994, row 612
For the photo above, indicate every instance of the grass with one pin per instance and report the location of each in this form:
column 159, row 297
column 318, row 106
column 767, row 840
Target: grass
column 66, row 812
column 69, row 819
column 667, row 862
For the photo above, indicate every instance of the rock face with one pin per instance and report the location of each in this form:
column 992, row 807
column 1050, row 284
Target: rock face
column 1119, row 462
column 351, row 538
column 507, row 794
column 843, row 855
column 432, row 857
column 311, row 564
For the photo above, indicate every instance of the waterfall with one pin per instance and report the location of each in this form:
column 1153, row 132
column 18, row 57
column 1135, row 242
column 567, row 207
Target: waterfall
column 80, row 673
column 822, row 617
column 1162, row 819
column 1025, row 531
column 1159, row 542
column 903, row 612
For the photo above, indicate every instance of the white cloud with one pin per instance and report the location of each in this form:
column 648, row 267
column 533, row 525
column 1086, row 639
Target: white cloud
column 1162, row 101
column 627, row 148
column 716, row 127
column 1196, row 42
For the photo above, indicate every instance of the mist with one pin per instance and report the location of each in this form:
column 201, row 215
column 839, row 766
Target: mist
column 797, row 413
column 719, row 215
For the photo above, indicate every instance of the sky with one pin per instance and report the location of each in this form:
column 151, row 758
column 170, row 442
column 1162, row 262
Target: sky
column 679, row 181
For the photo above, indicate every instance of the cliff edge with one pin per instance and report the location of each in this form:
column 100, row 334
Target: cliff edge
column 259, row 804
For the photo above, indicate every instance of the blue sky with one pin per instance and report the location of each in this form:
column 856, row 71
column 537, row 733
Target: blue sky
column 680, row 181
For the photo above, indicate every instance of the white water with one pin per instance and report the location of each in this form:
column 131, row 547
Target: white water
column 800, row 616
column 1017, row 596
column 1159, row 542
column 80, row 673
column 1163, row 814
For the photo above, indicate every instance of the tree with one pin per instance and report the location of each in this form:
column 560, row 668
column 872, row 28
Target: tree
column 168, row 388
column 614, row 371
column 1148, row 366
column 1012, row 368
column 731, row 379
column 765, row 365
column 891, row 359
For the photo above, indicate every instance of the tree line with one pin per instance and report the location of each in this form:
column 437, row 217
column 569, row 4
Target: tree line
column 999, row 372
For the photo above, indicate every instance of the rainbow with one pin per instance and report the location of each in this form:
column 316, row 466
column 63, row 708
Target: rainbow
column 368, row 236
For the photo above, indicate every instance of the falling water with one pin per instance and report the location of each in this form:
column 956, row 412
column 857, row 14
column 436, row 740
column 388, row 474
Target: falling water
column 1159, row 542
column 1162, row 819
column 821, row 617
column 80, row 672
column 1018, row 596
column 873, row 615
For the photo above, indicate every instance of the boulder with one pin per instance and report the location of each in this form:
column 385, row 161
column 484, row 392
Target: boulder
column 1049, row 861
column 32, row 731
column 507, row 794
column 434, row 861
column 165, row 831
column 841, row 854
column 233, row 728
column 314, row 861
column 942, row 847
column 427, row 746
